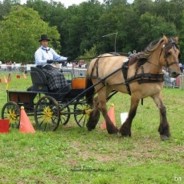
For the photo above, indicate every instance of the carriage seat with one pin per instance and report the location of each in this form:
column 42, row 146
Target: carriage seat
column 39, row 80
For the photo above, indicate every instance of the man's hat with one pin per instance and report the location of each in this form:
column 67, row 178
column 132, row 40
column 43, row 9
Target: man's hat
column 44, row 37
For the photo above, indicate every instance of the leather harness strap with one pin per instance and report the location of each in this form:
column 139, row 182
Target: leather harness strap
column 93, row 69
column 125, row 73
column 141, row 77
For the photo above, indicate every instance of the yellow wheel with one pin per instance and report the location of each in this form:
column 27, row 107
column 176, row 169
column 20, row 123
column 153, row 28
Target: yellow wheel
column 47, row 114
column 81, row 113
column 11, row 111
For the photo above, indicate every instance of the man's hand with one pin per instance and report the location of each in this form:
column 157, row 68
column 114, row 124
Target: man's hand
column 50, row 61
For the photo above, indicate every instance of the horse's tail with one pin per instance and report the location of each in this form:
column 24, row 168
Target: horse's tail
column 90, row 90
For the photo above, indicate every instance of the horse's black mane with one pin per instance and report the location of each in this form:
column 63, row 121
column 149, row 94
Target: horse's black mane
column 142, row 57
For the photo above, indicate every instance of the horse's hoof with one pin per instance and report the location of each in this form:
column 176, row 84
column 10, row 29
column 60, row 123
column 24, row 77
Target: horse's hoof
column 164, row 137
column 125, row 133
column 89, row 129
column 113, row 131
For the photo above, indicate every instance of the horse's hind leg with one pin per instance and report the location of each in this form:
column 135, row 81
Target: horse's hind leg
column 94, row 116
column 125, row 129
column 164, row 126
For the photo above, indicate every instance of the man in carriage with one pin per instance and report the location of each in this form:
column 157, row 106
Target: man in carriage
column 44, row 58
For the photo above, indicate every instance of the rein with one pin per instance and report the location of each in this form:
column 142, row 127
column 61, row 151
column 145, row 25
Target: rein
column 141, row 77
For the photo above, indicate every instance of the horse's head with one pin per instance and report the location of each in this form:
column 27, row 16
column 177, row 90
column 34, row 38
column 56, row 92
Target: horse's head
column 169, row 56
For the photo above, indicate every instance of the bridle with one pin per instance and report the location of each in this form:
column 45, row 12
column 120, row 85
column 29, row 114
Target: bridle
column 165, row 49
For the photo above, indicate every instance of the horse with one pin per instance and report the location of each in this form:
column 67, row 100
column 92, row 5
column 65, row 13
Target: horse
column 140, row 76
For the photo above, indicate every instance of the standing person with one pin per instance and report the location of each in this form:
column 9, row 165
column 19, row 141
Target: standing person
column 44, row 57
column 181, row 67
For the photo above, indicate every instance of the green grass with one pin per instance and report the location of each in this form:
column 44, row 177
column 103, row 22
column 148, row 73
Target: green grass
column 72, row 155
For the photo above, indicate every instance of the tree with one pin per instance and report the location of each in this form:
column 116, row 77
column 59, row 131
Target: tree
column 181, row 38
column 4, row 8
column 20, row 32
column 153, row 27
column 89, row 54
column 79, row 28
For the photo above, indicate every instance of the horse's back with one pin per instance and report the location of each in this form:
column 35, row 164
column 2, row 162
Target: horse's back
column 105, row 64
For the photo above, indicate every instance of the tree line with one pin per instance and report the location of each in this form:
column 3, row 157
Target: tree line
column 87, row 29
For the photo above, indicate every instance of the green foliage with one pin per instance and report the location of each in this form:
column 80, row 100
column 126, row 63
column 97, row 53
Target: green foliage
column 19, row 34
column 154, row 27
column 82, row 26
column 89, row 54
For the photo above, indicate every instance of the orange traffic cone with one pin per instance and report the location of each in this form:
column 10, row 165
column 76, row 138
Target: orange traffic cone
column 111, row 115
column 5, row 79
column 24, row 75
column 25, row 124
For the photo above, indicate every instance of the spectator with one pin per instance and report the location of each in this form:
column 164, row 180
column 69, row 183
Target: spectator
column 181, row 67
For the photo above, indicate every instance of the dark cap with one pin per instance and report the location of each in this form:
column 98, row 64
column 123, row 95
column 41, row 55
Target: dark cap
column 44, row 37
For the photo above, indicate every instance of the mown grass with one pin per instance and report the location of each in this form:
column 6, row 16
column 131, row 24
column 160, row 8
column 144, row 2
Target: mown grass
column 74, row 155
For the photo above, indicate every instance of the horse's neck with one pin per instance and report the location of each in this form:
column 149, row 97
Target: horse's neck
column 153, row 64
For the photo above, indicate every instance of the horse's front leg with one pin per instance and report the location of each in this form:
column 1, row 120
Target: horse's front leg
column 111, row 128
column 164, row 125
column 125, row 129
column 102, row 98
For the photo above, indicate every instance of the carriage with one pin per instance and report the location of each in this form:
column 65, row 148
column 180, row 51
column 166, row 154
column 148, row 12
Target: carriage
column 48, row 109
column 139, row 76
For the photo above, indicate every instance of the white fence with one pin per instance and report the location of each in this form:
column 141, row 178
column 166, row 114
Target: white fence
column 174, row 82
column 16, row 67
column 181, row 81
column 81, row 72
column 75, row 71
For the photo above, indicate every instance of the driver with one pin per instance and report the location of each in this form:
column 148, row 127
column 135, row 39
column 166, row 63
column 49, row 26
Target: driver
column 44, row 57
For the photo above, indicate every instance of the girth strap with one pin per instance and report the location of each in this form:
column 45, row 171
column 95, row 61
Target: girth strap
column 125, row 73
column 146, row 78
column 140, row 78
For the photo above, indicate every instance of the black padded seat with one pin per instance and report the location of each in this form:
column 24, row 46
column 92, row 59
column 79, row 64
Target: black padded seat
column 39, row 80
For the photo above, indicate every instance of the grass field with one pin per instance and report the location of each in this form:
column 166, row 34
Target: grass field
column 72, row 155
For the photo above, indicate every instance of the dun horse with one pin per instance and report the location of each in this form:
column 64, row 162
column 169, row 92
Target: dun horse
column 140, row 76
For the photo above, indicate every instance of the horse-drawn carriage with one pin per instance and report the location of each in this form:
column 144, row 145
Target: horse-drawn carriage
column 49, row 109
column 140, row 76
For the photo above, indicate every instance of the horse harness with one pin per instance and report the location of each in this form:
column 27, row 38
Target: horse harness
column 141, row 77
column 146, row 77
column 166, row 48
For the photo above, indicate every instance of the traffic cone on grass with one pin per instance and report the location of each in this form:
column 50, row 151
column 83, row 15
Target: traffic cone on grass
column 111, row 115
column 25, row 123
column 5, row 79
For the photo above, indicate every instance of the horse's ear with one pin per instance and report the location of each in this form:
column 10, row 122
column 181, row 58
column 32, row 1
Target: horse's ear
column 176, row 39
column 164, row 39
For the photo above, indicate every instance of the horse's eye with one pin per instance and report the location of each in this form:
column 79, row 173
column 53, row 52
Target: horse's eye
column 179, row 56
column 168, row 54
